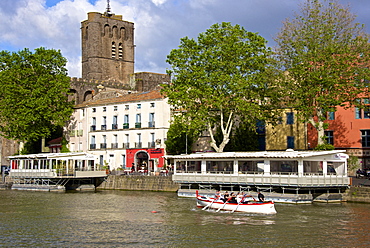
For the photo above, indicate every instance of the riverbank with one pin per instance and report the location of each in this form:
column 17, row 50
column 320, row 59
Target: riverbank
column 358, row 192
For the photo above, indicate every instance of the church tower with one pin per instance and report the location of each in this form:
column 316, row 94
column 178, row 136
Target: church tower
column 107, row 47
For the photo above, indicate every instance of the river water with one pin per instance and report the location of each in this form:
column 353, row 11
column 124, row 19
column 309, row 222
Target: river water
column 156, row 219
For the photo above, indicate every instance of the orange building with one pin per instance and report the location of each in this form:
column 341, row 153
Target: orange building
column 348, row 129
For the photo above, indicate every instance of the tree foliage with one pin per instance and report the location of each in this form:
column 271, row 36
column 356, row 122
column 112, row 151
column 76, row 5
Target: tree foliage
column 33, row 96
column 242, row 138
column 180, row 136
column 223, row 75
column 326, row 57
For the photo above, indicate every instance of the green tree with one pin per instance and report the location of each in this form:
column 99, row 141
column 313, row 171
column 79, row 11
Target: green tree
column 221, row 77
column 180, row 137
column 326, row 57
column 243, row 138
column 33, row 96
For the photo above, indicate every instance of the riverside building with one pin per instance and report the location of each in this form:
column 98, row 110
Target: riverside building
column 125, row 132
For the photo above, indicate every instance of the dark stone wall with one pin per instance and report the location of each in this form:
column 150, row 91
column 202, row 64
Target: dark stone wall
column 358, row 194
column 149, row 183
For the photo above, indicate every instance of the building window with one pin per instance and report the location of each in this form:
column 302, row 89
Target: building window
column 365, row 138
column 127, row 107
column 151, row 120
column 93, row 124
column 139, row 106
column 331, row 116
column 120, row 51
column 126, row 122
column 280, row 120
column 103, row 145
column 113, row 50
column 115, row 108
column 290, row 142
column 329, row 136
column 93, row 110
column 104, row 123
column 104, row 109
column 92, row 143
column 123, row 161
column 138, row 144
column 260, row 127
column 115, row 142
column 152, row 104
column 363, row 113
column 151, row 144
column 115, row 125
column 138, row 121
column 101, row 160
column 290, row 118
column 126, row 144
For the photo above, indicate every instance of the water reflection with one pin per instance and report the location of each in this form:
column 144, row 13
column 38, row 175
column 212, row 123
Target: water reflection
column 151, row 219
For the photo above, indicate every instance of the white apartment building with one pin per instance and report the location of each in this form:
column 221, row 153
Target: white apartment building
column 124, row 131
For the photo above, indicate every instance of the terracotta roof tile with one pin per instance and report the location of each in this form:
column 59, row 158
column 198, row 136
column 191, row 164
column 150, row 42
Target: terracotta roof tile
column 134, row 97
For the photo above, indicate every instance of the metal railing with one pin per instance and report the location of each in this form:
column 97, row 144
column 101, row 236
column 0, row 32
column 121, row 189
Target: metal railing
column 273, row 179
column 151, row 144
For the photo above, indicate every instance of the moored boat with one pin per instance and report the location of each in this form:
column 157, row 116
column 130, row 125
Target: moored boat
column 267, row 207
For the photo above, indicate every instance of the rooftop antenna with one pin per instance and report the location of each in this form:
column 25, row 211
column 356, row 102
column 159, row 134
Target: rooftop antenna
column 107, row 12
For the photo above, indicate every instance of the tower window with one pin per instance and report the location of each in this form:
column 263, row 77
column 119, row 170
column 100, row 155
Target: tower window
column 113, row 50
column 120, row 51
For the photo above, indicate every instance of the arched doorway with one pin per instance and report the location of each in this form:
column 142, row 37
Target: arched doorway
column 142, row 161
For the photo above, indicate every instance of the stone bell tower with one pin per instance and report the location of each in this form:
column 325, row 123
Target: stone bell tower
column 107, row 47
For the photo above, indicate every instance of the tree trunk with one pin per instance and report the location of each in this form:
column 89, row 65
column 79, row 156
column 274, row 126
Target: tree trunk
column 225, row 133
column 319, row 125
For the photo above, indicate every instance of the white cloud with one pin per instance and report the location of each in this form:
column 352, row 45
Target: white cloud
column 159, row 2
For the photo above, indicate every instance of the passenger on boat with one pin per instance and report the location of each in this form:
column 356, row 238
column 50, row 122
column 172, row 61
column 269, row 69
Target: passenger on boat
column 261, row 197
column 217, row 195
column 240, row 197
column 225, row 196
column 232, row 198
column 243, row 198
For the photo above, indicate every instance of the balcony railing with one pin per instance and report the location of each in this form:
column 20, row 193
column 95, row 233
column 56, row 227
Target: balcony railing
column 126, row 126
column 138, row 125
column 126, row 145
column 114, row 126
column 103, row 127
column 114, row 145
column 151, row 144
column 92, row 146
column 151, row 124
column 138, row 145
column 92, row 128
column 103, row 145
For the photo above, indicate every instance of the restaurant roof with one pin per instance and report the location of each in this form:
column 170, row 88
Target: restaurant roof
column 262, row 154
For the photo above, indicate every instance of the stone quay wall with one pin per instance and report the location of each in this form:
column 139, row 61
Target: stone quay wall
column 150, row 183
column 357, row 194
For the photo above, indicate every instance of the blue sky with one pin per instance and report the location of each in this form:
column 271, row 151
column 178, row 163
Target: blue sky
column 159, row 24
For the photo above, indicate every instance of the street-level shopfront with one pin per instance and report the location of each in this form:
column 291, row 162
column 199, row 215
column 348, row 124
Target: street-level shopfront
column 145, row 160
